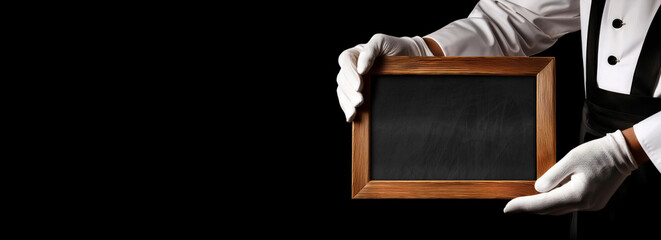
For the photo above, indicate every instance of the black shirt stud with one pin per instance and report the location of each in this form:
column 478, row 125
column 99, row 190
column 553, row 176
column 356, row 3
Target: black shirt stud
column 617, row 23
column 612, row 60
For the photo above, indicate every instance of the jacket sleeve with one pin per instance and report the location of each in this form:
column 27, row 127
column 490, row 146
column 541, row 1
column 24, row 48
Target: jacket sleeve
column 648, row 133
column 509, row 28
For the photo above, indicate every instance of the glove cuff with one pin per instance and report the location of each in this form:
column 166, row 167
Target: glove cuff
column 626, row 161
column 423, row 49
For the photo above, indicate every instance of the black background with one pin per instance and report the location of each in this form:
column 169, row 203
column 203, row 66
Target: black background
column 184, row 116
column 308, row 142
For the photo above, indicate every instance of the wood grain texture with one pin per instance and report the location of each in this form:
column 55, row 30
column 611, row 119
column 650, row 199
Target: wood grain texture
column 541, row 67
column 501, row 66
column 447, row 189
column 546, row 125
column 361, row 143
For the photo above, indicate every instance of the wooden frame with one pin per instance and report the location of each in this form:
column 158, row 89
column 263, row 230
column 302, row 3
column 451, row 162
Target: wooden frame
column 543, row 68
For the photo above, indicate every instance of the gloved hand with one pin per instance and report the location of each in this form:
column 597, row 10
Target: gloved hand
column 584, row 180
column 357, row 61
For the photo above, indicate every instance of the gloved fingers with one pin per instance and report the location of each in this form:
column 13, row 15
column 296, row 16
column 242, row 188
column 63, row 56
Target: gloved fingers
column 556, row 176
column 345, row 85
column 349, row 58
column 350, row 79
column 345, row 104
column 370, row 52
column 349, row 82
column 555, row 201
column 365, row 60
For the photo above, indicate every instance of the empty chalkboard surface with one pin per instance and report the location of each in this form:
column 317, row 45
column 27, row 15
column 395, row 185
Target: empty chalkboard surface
column 454, row 127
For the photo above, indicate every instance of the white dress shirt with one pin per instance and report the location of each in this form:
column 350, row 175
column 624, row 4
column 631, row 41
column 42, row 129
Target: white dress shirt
column 527, row 27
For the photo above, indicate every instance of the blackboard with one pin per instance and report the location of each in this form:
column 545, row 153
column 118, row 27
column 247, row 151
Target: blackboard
column 454, row 127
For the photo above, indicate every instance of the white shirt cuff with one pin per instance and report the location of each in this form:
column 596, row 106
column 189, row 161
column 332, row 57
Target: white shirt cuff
column 648, row 133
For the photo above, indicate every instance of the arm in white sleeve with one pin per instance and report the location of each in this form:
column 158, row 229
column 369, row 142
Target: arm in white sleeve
column 648, row 133
column 509, row 28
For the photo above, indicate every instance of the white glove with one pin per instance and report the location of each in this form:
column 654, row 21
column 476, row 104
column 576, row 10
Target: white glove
column 357, row 61
column 584, row 180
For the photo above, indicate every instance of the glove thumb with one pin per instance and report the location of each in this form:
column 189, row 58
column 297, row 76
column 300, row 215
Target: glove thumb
column 366, row 59
column 554, row 176
column 371, row 51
